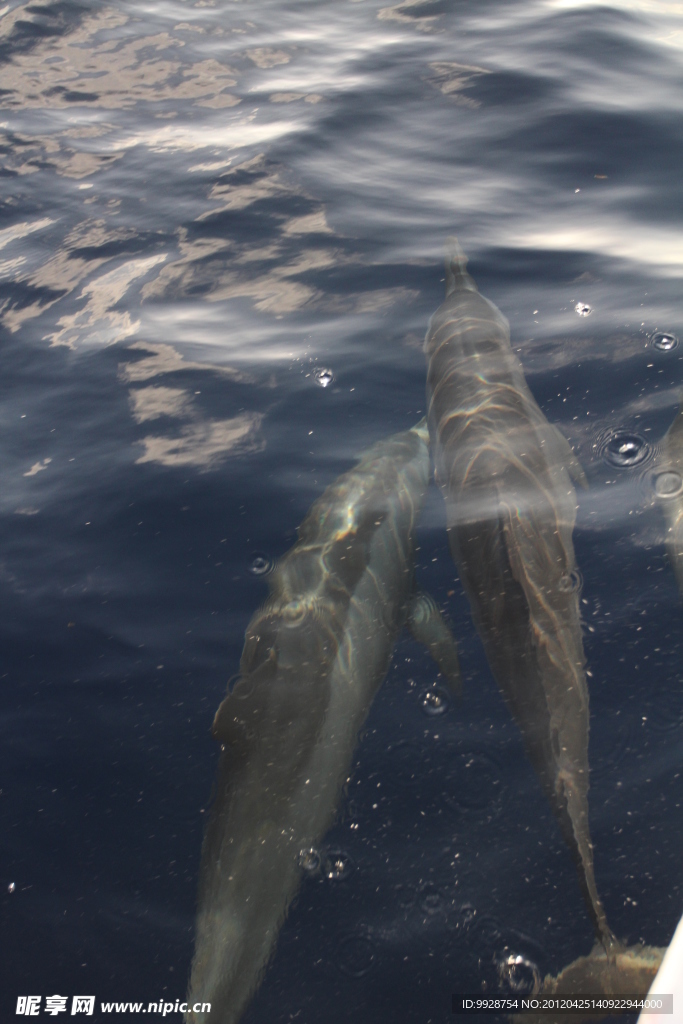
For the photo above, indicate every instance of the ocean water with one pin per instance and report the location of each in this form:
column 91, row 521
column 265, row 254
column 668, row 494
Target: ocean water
column 204, row 205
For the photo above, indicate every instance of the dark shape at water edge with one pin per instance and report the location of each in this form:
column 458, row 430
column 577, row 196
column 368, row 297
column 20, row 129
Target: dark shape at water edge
column 314, row 656
column 505, row 473
column 623, row 972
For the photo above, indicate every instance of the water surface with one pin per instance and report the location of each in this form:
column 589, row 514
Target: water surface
column 204, row 205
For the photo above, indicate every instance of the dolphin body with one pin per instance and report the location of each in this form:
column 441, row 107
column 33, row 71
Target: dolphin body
column 314, row 656
column 505, row 474
column 669, row 492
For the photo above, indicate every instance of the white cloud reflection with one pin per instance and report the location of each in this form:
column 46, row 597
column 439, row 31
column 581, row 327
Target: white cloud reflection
column 201, row 441
column 10, row 234
column 152, row 402
column 97, row 322
column 206, row 444
column 660, row 247
column 166, row 359
column 408, row 13
column 38, row 467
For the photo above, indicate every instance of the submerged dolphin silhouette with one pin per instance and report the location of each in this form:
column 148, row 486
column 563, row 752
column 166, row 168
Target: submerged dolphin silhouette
column 669, row 492
column 314, row 656
column 511, row 507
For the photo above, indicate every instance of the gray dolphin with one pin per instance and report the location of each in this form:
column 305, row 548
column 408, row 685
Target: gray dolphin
column 669, row 492
column 511, row 507
column 314, row 656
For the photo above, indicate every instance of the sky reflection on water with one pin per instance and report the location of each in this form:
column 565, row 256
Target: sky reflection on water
column 204, row 203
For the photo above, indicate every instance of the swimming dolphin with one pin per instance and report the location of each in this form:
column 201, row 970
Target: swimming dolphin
column 314, row 656
column 669, row 492
column 505, row 474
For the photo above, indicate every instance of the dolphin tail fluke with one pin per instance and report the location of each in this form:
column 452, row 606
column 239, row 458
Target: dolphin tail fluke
column 428, row 627
column 457, row 278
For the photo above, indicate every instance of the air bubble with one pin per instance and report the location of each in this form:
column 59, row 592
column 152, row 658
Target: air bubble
column 309, row 860
column 323, row 376
column 570, row 582
column 668, row 484
column 475, row 783
column 355, row 956
column 664, row 341
column 293, row 614
column 460, row 919
column 404, row 896
column 11, row 887
column 430, row 898
column 434, row 701
column 583, row 309
column 515, row 962
column 518, row 974
column 261, row 564
column 624, row 450
column 337, row 865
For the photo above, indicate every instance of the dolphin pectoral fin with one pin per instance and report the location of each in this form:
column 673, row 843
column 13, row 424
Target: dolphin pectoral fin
column 428, row 627
column 574, row 467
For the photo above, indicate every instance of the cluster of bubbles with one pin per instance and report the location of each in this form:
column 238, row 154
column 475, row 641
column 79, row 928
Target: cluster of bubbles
column 518, row 974
column 583, row 309
column 323, row 376
column 335, row 865
column 434, row 701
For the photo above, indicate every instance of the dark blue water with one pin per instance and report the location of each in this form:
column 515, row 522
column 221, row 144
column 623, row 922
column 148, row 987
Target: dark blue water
column 202, row 204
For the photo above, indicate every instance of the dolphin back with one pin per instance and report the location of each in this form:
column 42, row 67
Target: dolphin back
column 313, row 659
column 505, row 473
